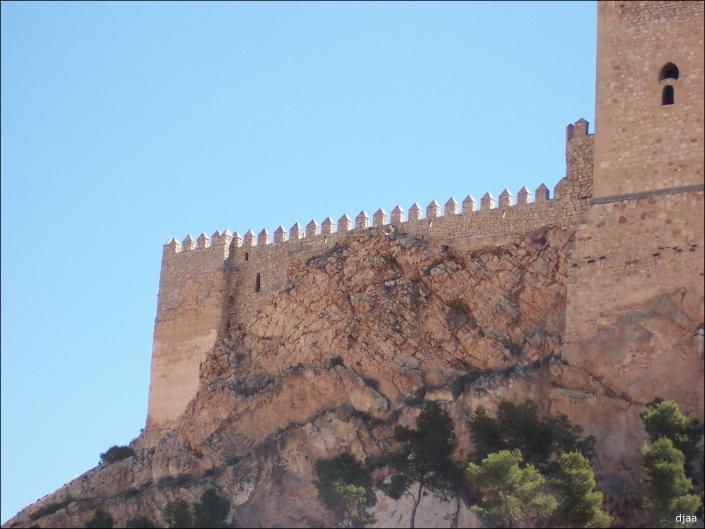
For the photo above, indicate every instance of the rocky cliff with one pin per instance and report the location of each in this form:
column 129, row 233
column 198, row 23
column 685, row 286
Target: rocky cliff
column 358, row 339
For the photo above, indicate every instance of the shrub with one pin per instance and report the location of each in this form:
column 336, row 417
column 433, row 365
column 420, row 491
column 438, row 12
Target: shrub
column 100, row 520
column 253, row 385
column 116, row 453
column 139, row 522
column 211, row 510
column 50, row 508
column 344, row 486
column 178, row 514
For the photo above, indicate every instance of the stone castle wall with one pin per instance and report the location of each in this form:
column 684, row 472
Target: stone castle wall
column 206, row 281
column 632, row 193
column 635, row 289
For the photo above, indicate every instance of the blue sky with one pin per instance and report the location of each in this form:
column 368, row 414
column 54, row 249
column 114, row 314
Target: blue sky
column 125, row 124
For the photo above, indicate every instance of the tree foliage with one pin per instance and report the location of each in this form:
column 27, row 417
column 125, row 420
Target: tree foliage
column 116, row 453
column 425, row 456
column 211, row 510
column 666, row 487
column 344, row 486
column 512, row 496
column 580, row 505
column 353, row 503
column 178, row 514
column 519, row 426
column 100, row 520
column 139, row 522
column 663, row 418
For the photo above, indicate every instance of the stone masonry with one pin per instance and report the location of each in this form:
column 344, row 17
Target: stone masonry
column 633, row 194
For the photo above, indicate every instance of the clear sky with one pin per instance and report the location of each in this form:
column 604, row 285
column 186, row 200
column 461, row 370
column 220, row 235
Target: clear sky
column 126, row 124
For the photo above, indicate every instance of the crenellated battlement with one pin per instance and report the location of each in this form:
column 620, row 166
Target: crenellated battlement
column 380, row 218
column 578, row 173
column 227, row 277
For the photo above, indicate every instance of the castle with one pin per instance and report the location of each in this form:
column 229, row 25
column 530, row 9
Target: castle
column 632, row 193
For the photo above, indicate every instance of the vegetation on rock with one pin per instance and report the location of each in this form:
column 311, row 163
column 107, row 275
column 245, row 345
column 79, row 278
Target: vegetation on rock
column 50, row 508
column 100, row 520
column 512, row 496
column 425, row 457
column 178, row 514
column 211, row 511
column 666, row 487
column 345, row 487
column 664, row 419
column 580, row 504
column 139, row 522
column 519, row 426
column 116, row 453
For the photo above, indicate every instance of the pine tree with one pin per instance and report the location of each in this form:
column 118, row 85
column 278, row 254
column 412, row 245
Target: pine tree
column 580, row 505
column 139, row 522
column 211, row 511
column 663, row 418
column 512, row 496
column 425, row 456
column 353, row 501
column 100, row 520
column 666, row 488
column 345, row 487
column 178, row 514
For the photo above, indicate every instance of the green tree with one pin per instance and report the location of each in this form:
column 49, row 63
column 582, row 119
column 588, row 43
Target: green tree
column 211, row 510
column 663, row 418
column 116, row 453
column 666, row 488
column 342, row 482
column 511, row 496
column 178, row 514
column 519, row 426
column 353, row 501
column 485, row 433
column 580, row 505
column 424, row 457
column 100, row 520
column 139, row 522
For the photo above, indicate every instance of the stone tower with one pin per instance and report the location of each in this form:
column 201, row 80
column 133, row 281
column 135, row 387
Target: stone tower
column 649, row 100
column 635, row 289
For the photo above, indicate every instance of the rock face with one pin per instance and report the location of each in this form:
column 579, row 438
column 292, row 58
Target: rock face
column 356, row 342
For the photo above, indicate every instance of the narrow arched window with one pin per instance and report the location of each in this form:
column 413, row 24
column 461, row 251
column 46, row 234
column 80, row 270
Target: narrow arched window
column 247, row 256
column 667, row 97
column 258, row 283
column 669, row 71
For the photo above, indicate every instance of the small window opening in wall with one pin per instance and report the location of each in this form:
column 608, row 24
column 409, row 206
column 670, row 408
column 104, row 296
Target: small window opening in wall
column 247, row 256
column 258, row 283
column 669, row 71
column 667, row 98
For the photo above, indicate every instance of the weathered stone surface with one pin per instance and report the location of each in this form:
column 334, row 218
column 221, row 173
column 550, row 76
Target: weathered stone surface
column 271, row 395
column 268, row 357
